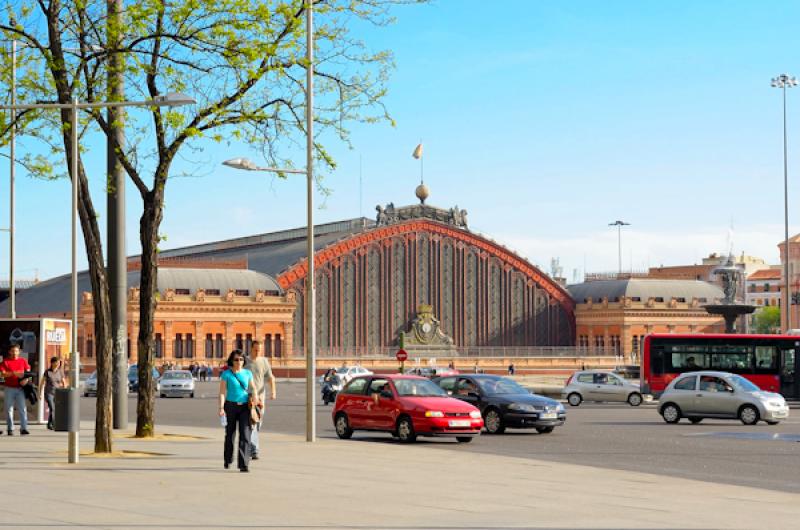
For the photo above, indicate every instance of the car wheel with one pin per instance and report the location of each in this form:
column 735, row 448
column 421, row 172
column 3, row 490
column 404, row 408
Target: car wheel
column 574, row 399
column 695, row 420
column 748, row 415
column 671, row 413
column 635, row 399
column 405, row 430
column 493, row 422
column 464, row 439
column 544, row 430
column 163, row 395
column 773, row 422
column 342, row 425
column 191, row 395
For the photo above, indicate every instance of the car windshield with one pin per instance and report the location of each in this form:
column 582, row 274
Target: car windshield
column 494, row 387
column 743, row 384
column 418, row 387
column 177, row 375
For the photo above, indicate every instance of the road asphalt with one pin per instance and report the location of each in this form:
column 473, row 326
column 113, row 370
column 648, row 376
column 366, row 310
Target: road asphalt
column 178, row 481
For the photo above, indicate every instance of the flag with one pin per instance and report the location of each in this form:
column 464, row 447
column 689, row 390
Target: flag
column 417, row 152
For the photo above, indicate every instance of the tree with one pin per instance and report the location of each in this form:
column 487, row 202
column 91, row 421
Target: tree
column 767, row 320
column 71, row 67
column 243, row 60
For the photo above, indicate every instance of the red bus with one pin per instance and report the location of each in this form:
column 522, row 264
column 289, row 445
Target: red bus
column 769, row 361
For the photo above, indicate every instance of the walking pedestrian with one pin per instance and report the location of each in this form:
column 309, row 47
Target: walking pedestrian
column 511, row 369
column 13, row 369
column 236, row 394
column 53, row 378
column 262, row 372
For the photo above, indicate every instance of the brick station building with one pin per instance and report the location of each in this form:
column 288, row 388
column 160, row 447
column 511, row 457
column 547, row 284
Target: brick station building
column 417, row 270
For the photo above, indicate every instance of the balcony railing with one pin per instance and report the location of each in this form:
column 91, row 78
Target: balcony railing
column 460, row 352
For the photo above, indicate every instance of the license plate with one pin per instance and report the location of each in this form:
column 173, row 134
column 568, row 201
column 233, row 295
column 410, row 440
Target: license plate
column 459, row 423
column 549, row 416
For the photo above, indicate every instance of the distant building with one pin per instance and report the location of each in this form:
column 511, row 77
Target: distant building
column 794, row 277
column 763, row 289
column 20, row 284
column 614, row 316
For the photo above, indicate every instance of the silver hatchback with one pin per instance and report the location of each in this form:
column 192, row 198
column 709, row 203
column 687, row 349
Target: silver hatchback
column 598, row 385
column 698, row 395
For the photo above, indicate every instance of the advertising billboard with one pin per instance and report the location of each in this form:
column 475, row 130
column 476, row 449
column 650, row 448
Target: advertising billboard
column 39, row 339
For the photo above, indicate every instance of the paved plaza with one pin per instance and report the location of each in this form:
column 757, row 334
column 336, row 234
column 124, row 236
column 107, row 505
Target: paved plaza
column 179, row 482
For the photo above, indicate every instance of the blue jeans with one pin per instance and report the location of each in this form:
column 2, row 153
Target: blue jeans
column 51, row 407
column 15, row 398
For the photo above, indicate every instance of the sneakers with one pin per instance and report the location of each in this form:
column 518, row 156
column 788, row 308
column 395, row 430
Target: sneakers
column 244, row 470
column 24, row 432
column 10, row 433
column 254, row 457
column 227, row 465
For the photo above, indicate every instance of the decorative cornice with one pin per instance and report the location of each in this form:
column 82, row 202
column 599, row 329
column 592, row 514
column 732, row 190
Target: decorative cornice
column 331, row 253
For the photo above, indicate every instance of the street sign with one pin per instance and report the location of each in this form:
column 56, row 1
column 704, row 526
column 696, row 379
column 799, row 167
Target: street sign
column 401, row 355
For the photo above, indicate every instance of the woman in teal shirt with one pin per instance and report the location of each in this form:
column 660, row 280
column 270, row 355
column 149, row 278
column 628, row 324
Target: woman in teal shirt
column 236, row 391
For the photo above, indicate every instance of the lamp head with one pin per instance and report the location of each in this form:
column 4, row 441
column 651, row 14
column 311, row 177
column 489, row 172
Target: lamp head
column 173, row 99
column 241, row 163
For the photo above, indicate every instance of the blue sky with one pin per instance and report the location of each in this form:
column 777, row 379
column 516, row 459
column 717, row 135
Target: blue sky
column 546, row 120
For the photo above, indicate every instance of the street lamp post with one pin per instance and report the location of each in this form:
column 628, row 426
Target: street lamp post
column 310, row 296
column 783, row 82
column 168, row 100
column 619, row 225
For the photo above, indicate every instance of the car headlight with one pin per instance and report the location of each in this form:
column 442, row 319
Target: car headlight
column 434, row 414
column 521, row 407
column 475, row 414
column 776, row 404
column 560, row 407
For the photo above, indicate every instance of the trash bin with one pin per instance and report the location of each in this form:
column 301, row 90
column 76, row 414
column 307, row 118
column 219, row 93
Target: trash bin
column 68, row 417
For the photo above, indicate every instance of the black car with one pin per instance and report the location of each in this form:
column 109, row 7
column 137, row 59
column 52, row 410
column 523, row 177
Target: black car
column 504, row 403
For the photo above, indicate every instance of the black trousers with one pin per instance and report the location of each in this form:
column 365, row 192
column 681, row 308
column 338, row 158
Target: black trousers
column 238, row 417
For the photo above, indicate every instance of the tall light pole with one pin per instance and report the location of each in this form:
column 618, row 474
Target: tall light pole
column 310, row 302
column 12, row 294
column 619, row 225
column 168, row 100
column 783, row 82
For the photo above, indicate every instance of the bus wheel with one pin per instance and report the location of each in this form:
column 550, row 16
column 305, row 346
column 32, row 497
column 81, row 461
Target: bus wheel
column 671, row 413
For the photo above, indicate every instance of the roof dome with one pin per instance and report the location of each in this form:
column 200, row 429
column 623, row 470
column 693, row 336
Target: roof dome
column 644, row 289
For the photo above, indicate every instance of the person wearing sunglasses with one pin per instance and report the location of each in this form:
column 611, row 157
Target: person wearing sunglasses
column 236, row 396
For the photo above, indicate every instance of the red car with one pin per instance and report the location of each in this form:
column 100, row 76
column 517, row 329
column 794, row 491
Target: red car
column 406, row 406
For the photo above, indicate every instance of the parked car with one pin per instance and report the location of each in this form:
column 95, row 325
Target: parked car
column 505, row 403
column 699, row 395
column 349, row 372
column 599, row 385
column 406, row 406
column 133, row 378
column 90, row 385
column 432, row 371
column 178, row 383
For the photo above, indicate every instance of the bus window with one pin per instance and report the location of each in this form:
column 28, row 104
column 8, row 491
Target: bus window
column 688, row 362
column 732, row 362
column 766, row 358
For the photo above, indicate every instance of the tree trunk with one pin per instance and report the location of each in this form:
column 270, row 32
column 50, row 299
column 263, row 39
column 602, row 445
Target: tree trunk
column 97, row 274
column 148, row 235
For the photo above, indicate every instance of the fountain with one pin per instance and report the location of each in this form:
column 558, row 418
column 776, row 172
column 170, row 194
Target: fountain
column 729, row 308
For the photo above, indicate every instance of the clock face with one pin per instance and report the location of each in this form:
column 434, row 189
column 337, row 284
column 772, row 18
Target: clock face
column 426, row 327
